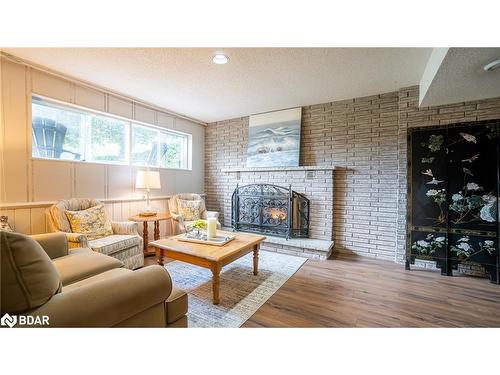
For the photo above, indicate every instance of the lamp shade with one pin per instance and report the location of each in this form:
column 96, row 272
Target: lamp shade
column 147, row 180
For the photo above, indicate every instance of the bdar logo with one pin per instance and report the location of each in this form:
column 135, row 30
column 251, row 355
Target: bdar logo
column 8, row 320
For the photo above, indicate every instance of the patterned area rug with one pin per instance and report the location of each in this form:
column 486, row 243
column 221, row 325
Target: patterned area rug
column 241, row 293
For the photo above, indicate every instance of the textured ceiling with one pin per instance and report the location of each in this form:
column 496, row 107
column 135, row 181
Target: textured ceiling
column 255, row 80
column 461, row 77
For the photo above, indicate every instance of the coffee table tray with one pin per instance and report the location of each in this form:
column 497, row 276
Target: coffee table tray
column 217, row 241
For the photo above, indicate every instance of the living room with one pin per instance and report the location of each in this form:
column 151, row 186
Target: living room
column 280, row 185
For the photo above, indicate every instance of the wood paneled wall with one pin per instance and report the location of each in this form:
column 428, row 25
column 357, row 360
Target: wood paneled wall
column 24, row 180
column 31, row 218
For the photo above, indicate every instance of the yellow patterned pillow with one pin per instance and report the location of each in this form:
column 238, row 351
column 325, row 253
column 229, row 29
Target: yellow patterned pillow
column 93, row 222
column 190, row 209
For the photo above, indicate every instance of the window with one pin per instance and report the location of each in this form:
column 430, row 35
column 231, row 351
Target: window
column 173, row 148
column 108, row 140
column 144, row 145
column 154, row 147
column 66, row 133
column 57, row 134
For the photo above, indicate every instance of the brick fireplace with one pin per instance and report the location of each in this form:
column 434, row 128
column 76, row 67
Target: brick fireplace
column 313, row 182
column 270, row 209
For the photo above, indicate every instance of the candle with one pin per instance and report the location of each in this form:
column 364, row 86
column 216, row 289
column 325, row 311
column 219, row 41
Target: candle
column 211, row 227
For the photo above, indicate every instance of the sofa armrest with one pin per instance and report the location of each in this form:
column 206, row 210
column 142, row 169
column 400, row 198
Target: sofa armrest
column 107, row 302
column 125, row 227
column 76, row 240
column 54, row 244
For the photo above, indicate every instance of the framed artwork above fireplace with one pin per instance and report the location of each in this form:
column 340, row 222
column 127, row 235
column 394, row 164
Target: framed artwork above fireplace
column 274, row 139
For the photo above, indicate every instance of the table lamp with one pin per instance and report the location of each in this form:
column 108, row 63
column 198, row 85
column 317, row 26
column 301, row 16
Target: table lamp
column 148, row 180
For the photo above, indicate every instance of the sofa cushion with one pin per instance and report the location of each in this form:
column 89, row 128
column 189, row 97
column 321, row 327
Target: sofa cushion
column 28, row 277
column 57, row 212
column 92, row 222
column 92, row 279
column 114, row 243
column 176, row 305
column 190, row 209
column 172, row 202
column 82, row 263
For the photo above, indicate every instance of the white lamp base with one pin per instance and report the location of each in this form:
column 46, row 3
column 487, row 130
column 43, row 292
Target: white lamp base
column 148, row 210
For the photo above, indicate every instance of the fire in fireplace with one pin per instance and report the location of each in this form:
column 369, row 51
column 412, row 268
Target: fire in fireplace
column 270, row 209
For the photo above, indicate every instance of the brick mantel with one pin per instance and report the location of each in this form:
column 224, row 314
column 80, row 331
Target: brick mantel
column 280, row 169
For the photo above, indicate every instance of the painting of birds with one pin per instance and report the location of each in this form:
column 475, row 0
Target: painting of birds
column 434, row 181
column 469, row 137
column 471, row 159
column 467, row 171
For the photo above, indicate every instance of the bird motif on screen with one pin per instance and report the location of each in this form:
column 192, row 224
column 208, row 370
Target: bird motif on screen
column 434, row 181
column 469, row 137
column 471, row 159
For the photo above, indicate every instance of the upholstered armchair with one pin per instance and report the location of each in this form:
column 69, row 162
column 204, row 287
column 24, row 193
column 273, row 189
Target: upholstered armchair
column 124, row 244
column 81, row 288
column 178, row 221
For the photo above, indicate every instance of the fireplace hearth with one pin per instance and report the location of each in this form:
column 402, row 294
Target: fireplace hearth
column 270, row 209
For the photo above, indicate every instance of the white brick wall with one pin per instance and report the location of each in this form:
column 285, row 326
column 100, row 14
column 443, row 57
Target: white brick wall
column 366, row 139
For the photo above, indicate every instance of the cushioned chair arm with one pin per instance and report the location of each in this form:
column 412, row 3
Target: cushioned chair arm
column 77, row 239
column 124, row 227
column 177, row 217
column 54, row 244
column 178, row 223
column 108, row 302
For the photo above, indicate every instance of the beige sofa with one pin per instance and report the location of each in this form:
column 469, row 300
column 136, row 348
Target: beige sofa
column 178, row 222
column 124, row 244
column 81, row 288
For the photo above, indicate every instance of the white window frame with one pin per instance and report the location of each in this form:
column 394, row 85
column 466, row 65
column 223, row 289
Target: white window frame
column 187, row 155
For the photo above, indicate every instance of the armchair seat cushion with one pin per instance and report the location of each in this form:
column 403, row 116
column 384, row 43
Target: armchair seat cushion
column 115, row 243
column 101, row 276
column 83, row 263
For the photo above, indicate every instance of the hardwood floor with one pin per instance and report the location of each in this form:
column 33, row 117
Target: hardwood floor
column 349, row 291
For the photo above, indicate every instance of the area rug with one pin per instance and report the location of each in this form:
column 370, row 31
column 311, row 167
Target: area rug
column 241, row 293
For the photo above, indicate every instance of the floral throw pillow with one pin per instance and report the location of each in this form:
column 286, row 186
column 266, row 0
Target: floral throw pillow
column 190, row 209
column 92, row 222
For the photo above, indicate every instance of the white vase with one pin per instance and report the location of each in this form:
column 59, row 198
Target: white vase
column 211, row 227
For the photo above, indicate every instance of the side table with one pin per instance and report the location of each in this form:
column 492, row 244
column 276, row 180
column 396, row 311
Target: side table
column 145, row 220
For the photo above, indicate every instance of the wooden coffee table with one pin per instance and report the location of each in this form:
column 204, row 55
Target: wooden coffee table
column 209, row 256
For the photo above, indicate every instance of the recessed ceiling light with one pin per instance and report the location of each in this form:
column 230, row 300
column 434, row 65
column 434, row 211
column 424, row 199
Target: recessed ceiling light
column 492, row 66
column 220, row 58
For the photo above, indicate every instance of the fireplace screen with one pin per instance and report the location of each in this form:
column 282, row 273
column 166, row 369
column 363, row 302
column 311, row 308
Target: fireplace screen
column 270, row 209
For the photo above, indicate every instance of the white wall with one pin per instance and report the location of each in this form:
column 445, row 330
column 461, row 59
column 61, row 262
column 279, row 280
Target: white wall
column 32, row 181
